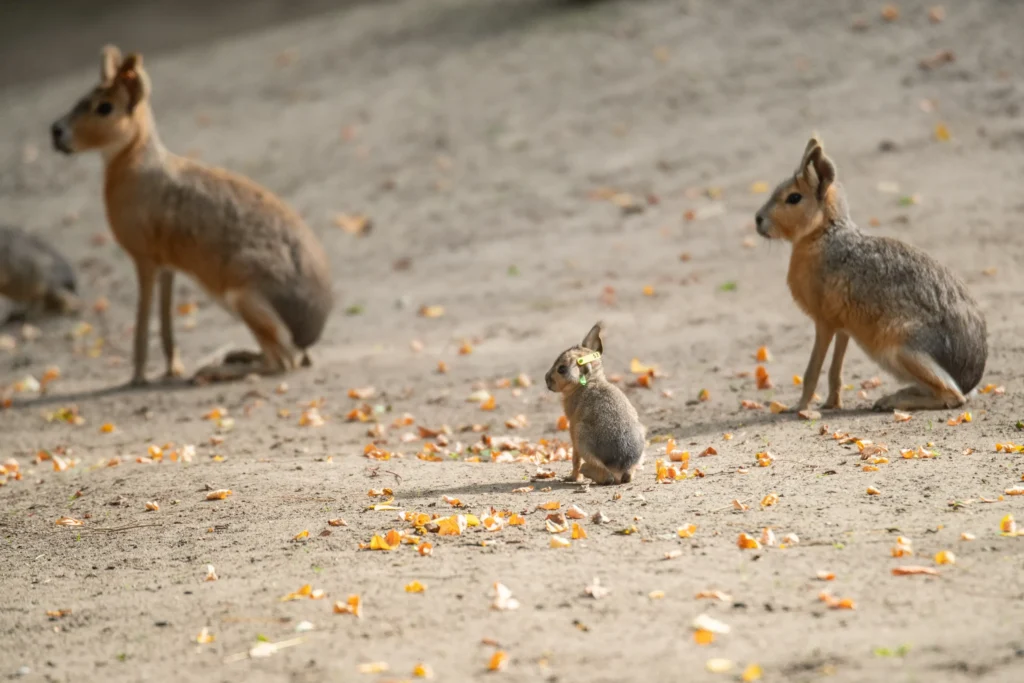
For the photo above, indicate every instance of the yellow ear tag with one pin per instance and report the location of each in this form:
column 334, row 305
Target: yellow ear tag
column 583, row 360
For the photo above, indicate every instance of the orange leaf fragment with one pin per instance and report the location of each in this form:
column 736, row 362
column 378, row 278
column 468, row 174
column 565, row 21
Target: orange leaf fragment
column 152, row 506
column 204, row 637
column 415, row 587
column 362, row 393
column 498, row 661
column 489, row 404
column 912, row 570
column 960, row 419
column 422, row 671
column 425, row 548
column 563, row 423
column 217, row 413
column 648, row 290
column 769, row 500
column 872, row 491
column 703, row 636
column 713, row 595
column 1008, row 526
column 825, row 576
column 763, row 380
column 353, row 606
column 301, row 535
column 550, row 505
column 945, row 557
column 747, row 404
column 899, row 416
column 578, row 533
column 777, row 407
column 559, row 542
column 107, row 428
column 379, row 543
column 703, row 395
column 516, row 520
column 762, row 355
column 752, row 673
column 219, row 494
column 69, row 521
column 748, row 542
column 431, row 311
column 687, row 531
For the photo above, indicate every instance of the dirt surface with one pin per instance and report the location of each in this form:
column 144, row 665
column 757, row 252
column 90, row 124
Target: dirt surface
column 474, row 134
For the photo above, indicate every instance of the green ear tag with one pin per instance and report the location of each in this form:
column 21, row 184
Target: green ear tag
column 583, row 380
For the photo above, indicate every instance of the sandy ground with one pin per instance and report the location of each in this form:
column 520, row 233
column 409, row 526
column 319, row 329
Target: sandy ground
column 474, row 133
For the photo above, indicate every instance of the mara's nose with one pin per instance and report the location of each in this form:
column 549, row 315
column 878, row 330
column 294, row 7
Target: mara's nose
column 758, row 219
column 55, row 131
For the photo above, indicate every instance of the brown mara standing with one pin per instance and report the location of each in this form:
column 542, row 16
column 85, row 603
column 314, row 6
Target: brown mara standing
column 248, row 249
column 908, row 312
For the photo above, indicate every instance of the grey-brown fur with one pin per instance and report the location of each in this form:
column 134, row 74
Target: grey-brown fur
column 887, row 277
column 910, row 313
column 607, row 436
column 34, row 273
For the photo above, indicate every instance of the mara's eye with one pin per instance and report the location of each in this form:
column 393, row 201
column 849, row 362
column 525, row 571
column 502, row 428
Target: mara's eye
column 104, row 108
column 793, row 198
column 562, row 369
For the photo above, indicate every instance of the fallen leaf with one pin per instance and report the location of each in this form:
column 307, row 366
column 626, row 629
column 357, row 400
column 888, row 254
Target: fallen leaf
column 945, row 557
column 719, row 666
column 703, row 395
column 686, row 531
column 373, row 667
column 498, row 662
column 967, row 536
column 211, row 573
column 777, row 407
column 705, row 622
column 108, row 428
column 578, row 533
column 825, row 576
column 1007, row 526
column 415, row 587
column 550, row 505
column 910, row 570
column 431, row 311
column 941, row 131
column 748, row 542
column 769, row 500
column 872, row 491
column 337, row 522
column 703, row 637
column 762, row 378
column 563, row 423
column 205, row 637
column 713, row 595
column 752, row 673
column 422, row 671
column 357, row 224
column 673, row 554
column 890, row 12
column 302, row 535
column 503, row 600
column 559, row 542
column 219, row 494
column 596, row 590
column 353, row 606
column 69, row 521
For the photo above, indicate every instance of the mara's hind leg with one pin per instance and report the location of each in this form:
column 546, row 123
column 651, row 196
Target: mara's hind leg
column 276, row 352
column 934, row 389
column 598, row 473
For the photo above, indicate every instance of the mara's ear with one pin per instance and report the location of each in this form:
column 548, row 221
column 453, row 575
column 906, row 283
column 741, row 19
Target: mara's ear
column 593, row 339
column 812, row 144
column 134, row 78
column 823, row 171
column 110, row 62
